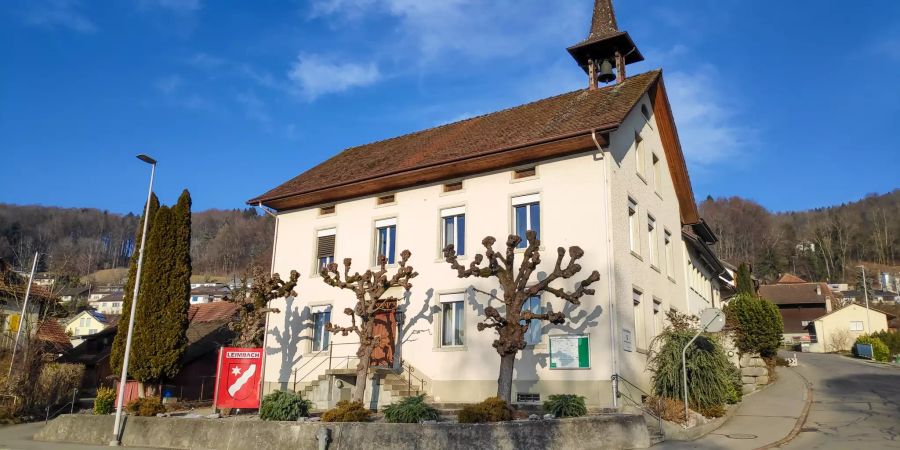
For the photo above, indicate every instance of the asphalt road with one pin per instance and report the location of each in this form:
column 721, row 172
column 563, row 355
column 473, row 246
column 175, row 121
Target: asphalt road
column 855, row 404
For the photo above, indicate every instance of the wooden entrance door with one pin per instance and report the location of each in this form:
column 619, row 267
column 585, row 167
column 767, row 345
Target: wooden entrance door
column 385, row 329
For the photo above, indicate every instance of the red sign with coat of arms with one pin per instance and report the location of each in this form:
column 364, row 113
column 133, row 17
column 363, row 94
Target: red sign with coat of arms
column 237, row 379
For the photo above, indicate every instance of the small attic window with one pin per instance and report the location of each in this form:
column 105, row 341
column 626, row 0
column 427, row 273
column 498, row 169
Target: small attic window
column 525, row 172
column 645, row 111
column 325, row 210
column 385, row 199
column 455, row 186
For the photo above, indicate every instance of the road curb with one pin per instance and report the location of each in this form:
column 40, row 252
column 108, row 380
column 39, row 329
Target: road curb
column 800, row 420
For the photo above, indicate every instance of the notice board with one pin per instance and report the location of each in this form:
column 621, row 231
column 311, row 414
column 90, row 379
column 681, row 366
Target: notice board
column 570, row 352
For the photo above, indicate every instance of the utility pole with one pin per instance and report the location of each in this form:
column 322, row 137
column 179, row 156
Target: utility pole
column 23, row 317
column 866, row 295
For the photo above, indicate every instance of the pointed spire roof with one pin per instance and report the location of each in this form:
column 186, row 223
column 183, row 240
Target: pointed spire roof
column 603, row 24
column 605, row 38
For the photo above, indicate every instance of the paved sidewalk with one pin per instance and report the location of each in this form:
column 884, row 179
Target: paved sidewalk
column 763, row 418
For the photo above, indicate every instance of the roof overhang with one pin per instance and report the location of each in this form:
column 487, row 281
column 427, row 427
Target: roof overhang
column 606, row 45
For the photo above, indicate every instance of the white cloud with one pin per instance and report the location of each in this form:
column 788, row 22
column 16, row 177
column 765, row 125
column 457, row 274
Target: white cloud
column 706, row 117
column 473, row 29
column 59, row 13
column 314, row 76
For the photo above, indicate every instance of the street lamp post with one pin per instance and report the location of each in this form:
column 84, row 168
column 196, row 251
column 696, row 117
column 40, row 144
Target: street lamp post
column 137, row 283
column 866, row 295
column 22, row 318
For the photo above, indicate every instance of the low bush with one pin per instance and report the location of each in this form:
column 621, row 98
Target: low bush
column 410, row 410
column 105, row 402
column 711, row 412
column 891, row 339
column 492, row 409
column 146, row 407
column 565, row 405
column 346, row 411
column 284, row 405
column 735, row 387
column 56, row 383
column 668, row 409
column 880, row 351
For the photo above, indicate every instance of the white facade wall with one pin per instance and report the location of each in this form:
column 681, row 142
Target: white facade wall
column 84, row 324
column 584, row 202
column 843, row 326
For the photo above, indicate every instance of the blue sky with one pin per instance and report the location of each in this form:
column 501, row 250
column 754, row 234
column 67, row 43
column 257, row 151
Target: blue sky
column 793, row 104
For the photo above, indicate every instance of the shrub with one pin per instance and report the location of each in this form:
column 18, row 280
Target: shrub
column 346, row 411
column 668, row 409
column 735, row 387
column 711, row 377
column 880, row 351
column 891, row 339
column 146, row 407
column 565, row 405
column 410, row 410
column 757, row 324
column 105, row 402
column 492, row 409
column 56, row 383
column 712, row 412
column 284, row 405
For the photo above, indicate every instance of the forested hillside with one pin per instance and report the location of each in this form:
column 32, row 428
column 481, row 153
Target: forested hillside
column 819, row 244
column 80, row 241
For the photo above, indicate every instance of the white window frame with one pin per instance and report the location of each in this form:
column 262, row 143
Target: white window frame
column 526, row 201
column 536, row 324
column 657, row 172
column 652, row 239
column 455, row 213
column 325, row 338
column 385, row 223
column 670, row 254
column 324, row 233
column 640, row 324
column 457, row 319
column 634, row 226
column 640, row 157
column 856, row 325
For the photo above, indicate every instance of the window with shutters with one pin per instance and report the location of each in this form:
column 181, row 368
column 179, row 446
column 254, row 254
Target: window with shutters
column 386, row 239
column 325, row 247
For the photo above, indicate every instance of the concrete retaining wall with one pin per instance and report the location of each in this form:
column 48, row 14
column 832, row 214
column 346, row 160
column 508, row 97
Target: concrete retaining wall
column 596, row 432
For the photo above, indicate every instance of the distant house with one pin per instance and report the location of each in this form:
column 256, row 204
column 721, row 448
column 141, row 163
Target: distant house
column 12, row 300
column 74, row 293
column 109, row 304
column 102, row 291
column 800, row 303
column 837, row 330
column 875, row 296
column 86, row 323
column 207, row 331
column 53, row 337
column 209, row 293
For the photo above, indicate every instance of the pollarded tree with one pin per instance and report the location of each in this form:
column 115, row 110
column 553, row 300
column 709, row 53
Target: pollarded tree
column 370, row 289
column 254, row 303
column 512, row 323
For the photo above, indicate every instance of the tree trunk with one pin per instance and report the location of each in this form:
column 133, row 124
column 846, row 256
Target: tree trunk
column 504, row 382
column 362, row 373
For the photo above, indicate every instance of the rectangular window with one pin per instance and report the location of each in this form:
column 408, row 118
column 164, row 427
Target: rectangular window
column 453, row 229
column 525, row 173
column 320, row 334
column 385, row 199
column 856, row 326
column 526, row 216
column 386, row 239
column 670, row 255
column 652, row 239
column 533, row 334
column 640, row 158
column 657, row 173
column 634, row 230
column 657, row 317
column 325, row 210
column 640, row 330
column 455, row 186
column 452, row 324
column 325, row 247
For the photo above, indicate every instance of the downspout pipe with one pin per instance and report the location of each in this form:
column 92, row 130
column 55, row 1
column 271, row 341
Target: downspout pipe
column 262, row 378
column 610, row 277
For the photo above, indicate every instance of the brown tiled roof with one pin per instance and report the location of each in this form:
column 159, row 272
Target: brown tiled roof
column 790, row 278
column 212, row 312
column 796, row 293
column 552, row 118
column 51, row 332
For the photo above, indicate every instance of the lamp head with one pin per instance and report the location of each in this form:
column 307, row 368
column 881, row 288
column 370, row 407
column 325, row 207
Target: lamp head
column 146, row 159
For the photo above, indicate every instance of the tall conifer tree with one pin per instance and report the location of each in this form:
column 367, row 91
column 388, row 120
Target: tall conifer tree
column 118, row 349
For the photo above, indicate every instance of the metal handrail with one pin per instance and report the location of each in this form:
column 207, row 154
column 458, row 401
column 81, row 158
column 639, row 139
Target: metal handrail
column 640, row 405
column 322, row 361
column 405, row 366
column 71, row 406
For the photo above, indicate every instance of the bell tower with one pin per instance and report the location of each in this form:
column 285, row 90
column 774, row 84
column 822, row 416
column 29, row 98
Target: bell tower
column 605, row 48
